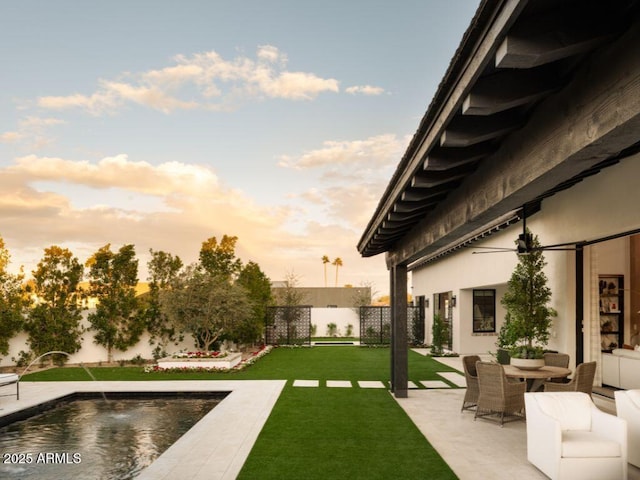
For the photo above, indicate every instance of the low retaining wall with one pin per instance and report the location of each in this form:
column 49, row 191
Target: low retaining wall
column 225, row 363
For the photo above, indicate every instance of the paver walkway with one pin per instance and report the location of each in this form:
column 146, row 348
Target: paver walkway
column 454, row 378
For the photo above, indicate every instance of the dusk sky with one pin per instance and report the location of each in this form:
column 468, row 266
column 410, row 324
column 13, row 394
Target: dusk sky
column 162, row 124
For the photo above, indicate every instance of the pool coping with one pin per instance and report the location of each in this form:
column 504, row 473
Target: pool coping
column 214, row 448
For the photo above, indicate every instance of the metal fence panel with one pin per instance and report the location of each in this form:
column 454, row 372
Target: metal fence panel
column 288, row 325
column 375, row 325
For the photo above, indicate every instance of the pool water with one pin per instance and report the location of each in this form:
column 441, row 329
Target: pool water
column 97, row 439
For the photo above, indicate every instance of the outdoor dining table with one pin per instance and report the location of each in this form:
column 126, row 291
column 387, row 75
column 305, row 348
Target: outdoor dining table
column 536, row 378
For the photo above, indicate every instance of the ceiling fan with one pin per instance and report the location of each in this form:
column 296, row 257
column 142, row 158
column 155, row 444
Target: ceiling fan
column 525, row 246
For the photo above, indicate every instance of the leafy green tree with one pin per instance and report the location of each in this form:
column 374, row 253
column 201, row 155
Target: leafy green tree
column 220, row 258
column 205, row 305
column 163, row 270
column 526, row 301
column 13, row 300
column 54, row 322
column 117, row 321
column 258, row 287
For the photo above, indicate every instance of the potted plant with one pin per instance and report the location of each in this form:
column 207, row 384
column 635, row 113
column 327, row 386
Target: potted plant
column 529, row 315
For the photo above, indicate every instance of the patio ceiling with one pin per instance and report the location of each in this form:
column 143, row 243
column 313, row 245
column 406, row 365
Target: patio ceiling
column 524, row 110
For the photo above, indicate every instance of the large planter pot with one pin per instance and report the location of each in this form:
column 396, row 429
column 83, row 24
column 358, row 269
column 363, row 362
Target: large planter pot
column 527, row 363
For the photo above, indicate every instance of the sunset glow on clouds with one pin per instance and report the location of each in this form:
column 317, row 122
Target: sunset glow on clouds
column 282, row 127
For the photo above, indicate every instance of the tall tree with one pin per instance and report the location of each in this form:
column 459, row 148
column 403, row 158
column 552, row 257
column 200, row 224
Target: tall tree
column 526, row 301
column 117, row 320
column 220, row 258
column 325, row 260
column 205, row 305
column 163, row 270
column 338, row 263
column 54, row 322
column 13, row 300
column 258, row 287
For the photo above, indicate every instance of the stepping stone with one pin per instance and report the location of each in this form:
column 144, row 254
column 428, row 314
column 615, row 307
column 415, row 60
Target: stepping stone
column 305, row 383
column 435, row 384
column 339, row 383
column 371, row 384
column 455, row 378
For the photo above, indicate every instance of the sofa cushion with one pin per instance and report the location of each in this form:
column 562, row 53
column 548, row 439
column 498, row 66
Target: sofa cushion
column 571, row 409
column 582, row 444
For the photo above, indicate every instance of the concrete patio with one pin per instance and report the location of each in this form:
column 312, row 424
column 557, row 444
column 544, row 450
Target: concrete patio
column 477, row 449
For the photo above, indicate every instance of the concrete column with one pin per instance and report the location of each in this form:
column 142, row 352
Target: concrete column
column 399, row 341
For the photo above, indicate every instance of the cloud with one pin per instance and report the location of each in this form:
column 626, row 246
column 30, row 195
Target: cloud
column 365, row 90
column 377, row 151
column 10, row 137
column 209, row 80
column 119, row 172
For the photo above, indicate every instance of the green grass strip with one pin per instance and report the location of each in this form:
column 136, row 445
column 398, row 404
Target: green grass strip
column 327, row 433
column 315, row 363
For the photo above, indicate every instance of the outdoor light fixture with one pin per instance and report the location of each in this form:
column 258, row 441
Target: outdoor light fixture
column 426, row 303
column 453, row 301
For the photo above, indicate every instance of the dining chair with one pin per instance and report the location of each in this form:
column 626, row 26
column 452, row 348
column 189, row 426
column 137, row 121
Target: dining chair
column 557, row 360
column 497, row 395
column 582, row 380
column 471, row 376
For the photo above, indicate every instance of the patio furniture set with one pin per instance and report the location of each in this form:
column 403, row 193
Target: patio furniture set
column 568, row 437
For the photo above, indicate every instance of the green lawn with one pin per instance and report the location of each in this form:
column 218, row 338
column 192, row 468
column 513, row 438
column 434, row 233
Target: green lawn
column 320, row 432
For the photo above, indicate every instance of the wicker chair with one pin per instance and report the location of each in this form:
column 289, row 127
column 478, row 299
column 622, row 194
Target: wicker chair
column 498, row 395
column 557, row 360
column 582, row 380
column 471, row 376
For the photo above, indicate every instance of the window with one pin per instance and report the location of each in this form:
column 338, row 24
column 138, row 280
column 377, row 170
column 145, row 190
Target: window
column 484, row 311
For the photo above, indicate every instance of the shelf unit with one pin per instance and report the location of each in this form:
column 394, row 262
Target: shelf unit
column 611, row 292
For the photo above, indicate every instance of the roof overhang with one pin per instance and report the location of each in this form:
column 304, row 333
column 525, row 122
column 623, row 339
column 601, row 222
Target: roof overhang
column 538, row 95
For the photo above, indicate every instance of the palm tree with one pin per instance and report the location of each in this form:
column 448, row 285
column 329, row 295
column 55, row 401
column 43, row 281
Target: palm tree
column 338, row 263
column 325, row 260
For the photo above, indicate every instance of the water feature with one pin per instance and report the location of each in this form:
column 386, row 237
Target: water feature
column 58, row 352
column 86, row 439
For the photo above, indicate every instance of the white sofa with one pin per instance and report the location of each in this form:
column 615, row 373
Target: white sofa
column 628, row 408
column 568, row 437
column 621, row 368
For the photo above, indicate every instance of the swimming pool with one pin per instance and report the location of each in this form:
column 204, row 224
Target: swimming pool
column 92, row 438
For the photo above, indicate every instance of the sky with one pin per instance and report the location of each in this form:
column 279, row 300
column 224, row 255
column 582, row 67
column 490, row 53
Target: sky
column 164, row 123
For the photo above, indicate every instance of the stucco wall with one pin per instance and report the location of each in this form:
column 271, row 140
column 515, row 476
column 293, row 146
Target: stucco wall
column 342, row 317
column 602, row 205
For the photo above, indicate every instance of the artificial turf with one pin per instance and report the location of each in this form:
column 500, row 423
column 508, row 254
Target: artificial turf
column 328, row 433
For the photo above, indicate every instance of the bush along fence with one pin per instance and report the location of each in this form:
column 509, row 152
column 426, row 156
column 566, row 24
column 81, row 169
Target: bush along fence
column 375, row 325
column 288, row 325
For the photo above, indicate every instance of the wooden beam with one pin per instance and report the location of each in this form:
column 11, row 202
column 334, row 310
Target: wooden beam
column 594, row 117
column 446, row 158
column 506, row 15
column 508, row 89
column 464, row 131
column 547, row 38
column 399, row 332
column 432, row 179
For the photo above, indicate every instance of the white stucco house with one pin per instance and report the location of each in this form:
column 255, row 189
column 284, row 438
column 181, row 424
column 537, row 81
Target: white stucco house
column 537, row 118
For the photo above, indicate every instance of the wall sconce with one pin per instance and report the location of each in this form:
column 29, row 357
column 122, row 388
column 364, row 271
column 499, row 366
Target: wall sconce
column 453, row 301
column 426, row 303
